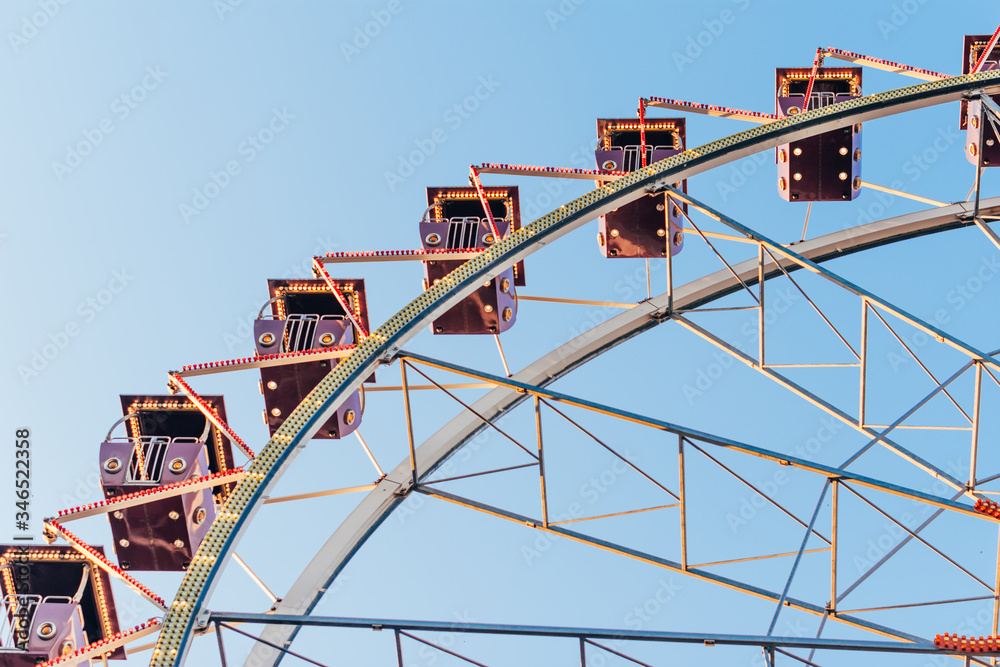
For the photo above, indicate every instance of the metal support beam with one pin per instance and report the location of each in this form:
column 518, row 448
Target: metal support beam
column 916, row 647
column 541, row 462
column 701, row 436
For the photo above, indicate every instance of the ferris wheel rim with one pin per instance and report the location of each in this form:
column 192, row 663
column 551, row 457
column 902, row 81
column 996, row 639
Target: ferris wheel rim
column 179, row 623
column 588, row 345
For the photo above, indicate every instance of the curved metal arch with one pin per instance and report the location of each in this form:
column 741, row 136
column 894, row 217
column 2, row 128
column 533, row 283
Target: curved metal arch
column 326, row 565
column 381, row 346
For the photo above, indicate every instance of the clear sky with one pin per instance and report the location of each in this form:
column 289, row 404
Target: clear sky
column 161, row 161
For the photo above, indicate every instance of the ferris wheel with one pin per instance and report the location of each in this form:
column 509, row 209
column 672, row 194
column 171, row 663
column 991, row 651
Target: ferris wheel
column 179, row 502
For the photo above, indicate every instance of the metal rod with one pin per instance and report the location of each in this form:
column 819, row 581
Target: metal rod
column 481, row 418
column 806, row 661
column 925, row 427
column 819, row 631
column 725, row 237
column 760, row 306
column 503, row 357
column 758, row 491
column 916, row 645
column 485, row 472
column 610, row 449
column 977, row 398
column 892, row 552
column 683, row 500
column 441, row 648
column 253, row 575
column 805, row 225
column 919, row 604
column 922, row 365
column 541, row 462
column 274, row 646
column 579, row 302
column 583, row 653
column 425, row 387
column 614, row 652
column 918, row 538
column 812, row 303
column 730, row 309
column 399, row 649
column 851, row 365
column 222, row 648
column 979, row 161
column 670, row 261
column 649, row 280
column 862, row 391
column 992, row 235
column 832, row 605
column 409, row 424
column 996, row 589
column 320, row 494
column 371, row 457
column 798, row 559
column 717, row 253
column 749, row 559
column 614, row 514
column 900, row 193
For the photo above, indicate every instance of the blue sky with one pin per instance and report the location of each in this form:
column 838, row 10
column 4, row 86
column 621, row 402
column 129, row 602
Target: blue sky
column 163, row 160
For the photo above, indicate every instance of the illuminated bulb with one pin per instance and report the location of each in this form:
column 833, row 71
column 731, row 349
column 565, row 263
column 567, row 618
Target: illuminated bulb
column 844, row 150
column 842, row 176
column 797, row 151
column 797, row 176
